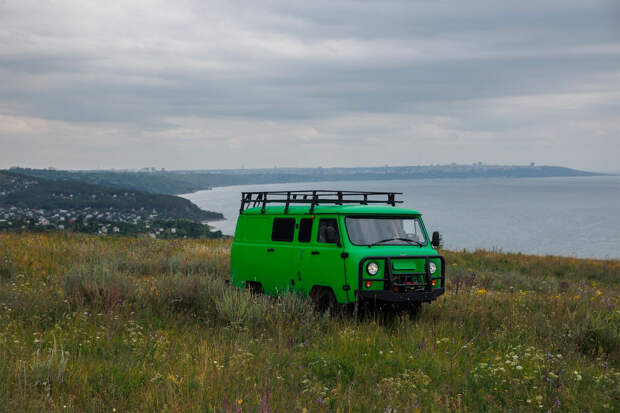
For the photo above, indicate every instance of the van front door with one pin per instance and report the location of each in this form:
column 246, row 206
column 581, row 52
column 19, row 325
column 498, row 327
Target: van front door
column 321, row 262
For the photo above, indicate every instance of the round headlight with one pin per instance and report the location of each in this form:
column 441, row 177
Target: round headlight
column 432, row 267
column 372, row 268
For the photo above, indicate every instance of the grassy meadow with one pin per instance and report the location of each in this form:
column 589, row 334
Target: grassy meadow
column 92, row 324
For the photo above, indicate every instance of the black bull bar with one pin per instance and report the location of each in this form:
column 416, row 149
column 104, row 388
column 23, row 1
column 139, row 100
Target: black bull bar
column 395, row 292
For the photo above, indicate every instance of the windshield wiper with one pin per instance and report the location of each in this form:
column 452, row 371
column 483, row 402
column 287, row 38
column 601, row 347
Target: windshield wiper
column 397, row 239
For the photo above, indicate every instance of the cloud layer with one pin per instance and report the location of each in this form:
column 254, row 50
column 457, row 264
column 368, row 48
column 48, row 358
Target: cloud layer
column 194, row 84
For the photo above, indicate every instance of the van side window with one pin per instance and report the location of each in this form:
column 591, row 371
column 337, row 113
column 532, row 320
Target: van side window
column 305, row 230
column 283, row 229
column 328, row 230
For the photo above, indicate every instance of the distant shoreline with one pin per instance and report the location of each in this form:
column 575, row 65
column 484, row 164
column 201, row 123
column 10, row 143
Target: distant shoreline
column 191, row 181
column 183, row 195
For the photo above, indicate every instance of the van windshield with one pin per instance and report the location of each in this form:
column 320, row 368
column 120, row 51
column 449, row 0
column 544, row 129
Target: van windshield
column 385, row 231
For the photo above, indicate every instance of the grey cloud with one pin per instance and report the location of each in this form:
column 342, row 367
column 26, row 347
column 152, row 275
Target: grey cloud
column 168, row 73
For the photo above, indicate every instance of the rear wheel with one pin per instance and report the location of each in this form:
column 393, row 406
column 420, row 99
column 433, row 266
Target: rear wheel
column 255, row 287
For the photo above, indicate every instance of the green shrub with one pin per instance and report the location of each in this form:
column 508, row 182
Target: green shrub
column 242, row 308
column 46, row 369
column 599, row 334
column 191, row 294
column 292, row 308
column 6, row 267
column 597, row 341
column 98, row 287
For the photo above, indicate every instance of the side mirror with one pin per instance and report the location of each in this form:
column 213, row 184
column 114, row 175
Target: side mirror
column 331, row 235
column 436, row 239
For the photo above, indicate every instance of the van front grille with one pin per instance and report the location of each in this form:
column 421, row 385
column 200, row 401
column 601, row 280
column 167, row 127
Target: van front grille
column 409, row 281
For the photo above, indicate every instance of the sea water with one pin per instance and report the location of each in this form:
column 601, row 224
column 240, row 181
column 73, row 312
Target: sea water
column 572, row 216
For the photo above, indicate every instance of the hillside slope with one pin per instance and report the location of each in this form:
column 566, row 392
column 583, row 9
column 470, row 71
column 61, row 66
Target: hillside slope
column 96, row 324
column 23, row 191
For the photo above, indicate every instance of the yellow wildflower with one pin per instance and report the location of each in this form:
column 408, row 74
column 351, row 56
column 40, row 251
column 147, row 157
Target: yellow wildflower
column 482, row 291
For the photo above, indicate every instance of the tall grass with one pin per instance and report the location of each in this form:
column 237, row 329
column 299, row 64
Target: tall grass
column 96, row 324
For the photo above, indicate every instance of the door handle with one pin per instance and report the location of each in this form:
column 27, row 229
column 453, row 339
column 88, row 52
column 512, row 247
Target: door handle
column 270, row 250
column 315, row 252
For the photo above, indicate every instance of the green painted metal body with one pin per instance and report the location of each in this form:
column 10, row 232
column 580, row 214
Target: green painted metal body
column 299, row 266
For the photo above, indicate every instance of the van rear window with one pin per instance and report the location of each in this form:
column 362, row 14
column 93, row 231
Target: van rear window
column 283, row 229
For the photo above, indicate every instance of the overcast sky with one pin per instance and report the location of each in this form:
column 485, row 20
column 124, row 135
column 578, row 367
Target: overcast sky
column 192, row 84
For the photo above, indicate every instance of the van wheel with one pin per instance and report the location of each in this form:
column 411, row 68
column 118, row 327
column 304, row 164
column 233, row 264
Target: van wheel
column 324, row 299
column 255, row 287
column 414, row 309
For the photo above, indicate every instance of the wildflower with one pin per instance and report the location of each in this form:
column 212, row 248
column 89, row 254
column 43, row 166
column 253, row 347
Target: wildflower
column 482, row 291
column 599, row 292
column 239, row 402
column 519, row 367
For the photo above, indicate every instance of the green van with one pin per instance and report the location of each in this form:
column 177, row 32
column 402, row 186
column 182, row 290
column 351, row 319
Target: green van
column 337, row 247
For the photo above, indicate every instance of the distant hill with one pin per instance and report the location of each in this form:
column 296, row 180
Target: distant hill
column 179, row 182
column 36, row 192
column 153, row 182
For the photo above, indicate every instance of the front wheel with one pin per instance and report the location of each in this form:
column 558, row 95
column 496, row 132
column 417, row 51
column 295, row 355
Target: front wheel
column 414, row 309
column 324, row 300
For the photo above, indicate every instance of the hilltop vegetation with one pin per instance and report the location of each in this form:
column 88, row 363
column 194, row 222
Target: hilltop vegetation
column 103, row 324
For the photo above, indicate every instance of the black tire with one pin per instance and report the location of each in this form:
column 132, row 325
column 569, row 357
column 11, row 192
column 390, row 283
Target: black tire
column 255, row 287
column 324, row 299
column 414, row 309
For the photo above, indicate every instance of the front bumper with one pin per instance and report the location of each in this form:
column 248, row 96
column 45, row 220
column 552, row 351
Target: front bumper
column 390, row 293
column 408, row 297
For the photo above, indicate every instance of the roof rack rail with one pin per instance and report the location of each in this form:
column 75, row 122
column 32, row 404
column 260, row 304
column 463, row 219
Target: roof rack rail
column 315, row 197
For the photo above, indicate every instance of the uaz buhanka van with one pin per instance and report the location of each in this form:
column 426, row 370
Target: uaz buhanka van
column 336, row 247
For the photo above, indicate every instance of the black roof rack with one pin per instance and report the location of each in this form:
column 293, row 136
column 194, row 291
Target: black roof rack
column 315, row 197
